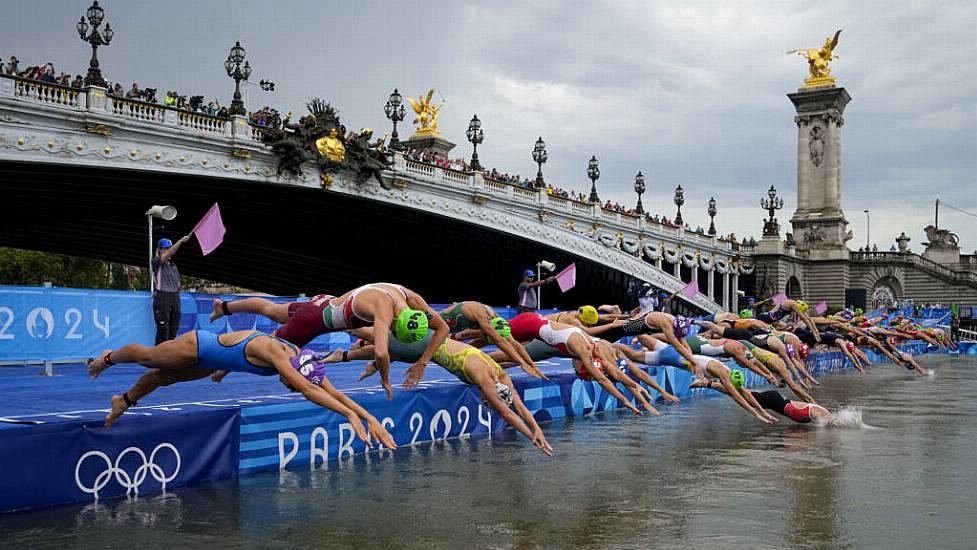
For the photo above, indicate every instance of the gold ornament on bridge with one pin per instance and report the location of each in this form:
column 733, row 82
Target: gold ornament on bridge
column 819, row 62
column 427, row 114
column 330, row 147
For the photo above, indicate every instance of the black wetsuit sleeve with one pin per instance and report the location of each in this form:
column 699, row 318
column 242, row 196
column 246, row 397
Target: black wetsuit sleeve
column 771, row 400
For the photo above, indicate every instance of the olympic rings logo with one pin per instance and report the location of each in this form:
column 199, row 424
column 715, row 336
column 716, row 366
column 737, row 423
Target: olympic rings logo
column 132, row 482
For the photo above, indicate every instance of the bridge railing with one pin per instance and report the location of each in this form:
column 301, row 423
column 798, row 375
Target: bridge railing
column 99, row 101
column 909, row 258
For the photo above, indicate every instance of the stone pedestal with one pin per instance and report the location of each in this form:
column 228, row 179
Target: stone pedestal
column 943, row 255
column 428, row 142
column 820, row 227
column 770, row 245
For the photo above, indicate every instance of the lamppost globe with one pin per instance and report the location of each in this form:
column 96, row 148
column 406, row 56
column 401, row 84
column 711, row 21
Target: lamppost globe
column 639, row 188
column 82, row 27
column 593, row 172
column 95, row 14
column 237, row 52
column 475, row 136
column 229, row 66
column 679, row 201
column 539, row 156
column 108, row 34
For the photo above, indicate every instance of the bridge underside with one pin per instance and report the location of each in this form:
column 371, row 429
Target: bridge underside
column 281, row 239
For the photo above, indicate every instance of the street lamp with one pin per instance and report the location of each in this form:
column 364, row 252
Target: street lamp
column 868, row 230
column 475, row 137
column 679, row 201
column 771, row 204
column 165, row 213
column 539, row 156
column 95, row 16
column 234, row 70
column 639, row 188
column 593, row 172
column 712, row 215
column 394, row 109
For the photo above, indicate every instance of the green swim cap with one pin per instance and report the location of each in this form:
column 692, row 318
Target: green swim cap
column 746, row 313
column 501, row 326
column 737, row 378
column 859, row 311
column 411, row 326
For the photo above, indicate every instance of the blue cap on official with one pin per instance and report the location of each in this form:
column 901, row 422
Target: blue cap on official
column 529, row 273
column 164, row 243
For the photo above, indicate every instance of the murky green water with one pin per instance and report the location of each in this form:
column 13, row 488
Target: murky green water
column 702, row 476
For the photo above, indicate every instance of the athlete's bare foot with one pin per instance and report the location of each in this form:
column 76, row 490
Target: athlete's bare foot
column 218, row 376
column 370, row 370
column 119, row 408
column 218, row 310
column 700, row 383
column 99, row 364
column 335, row 357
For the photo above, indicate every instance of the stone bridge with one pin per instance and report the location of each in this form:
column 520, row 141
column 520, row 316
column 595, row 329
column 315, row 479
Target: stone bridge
column 80, row 168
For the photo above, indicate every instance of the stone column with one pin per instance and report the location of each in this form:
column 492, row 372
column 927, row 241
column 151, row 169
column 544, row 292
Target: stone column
column 725, row 302
column 819, row 224
column 733, row 296
column 678, row 269
column 711, row 285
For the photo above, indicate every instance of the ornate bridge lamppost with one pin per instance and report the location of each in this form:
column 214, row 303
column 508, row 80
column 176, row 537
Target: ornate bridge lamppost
column 679, row 201
column 539, row 157
column 234, row 70
column 394, row 109
column 771, row 204
column 712, row 215
column 474, row 135
column 593, row 172
column 95, row 16
column 639, row 188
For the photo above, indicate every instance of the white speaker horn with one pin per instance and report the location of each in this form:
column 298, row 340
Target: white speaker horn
column 548, row 266
column 165, row 212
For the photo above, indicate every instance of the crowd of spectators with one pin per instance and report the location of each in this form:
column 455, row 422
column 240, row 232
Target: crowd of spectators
column 430, row 157
column 266, row 117
column 42, row 73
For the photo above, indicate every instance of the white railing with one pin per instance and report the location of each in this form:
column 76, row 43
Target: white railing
column 451, row 176
column 42, row 92
column 138, row 110
column 202, row 122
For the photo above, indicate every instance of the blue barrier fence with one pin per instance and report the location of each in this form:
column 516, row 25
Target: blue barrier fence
column 41, row 324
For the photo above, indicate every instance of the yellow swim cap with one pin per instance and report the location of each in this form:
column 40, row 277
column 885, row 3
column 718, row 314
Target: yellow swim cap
column 587, row 315
column 802, row 305
column 718, row 317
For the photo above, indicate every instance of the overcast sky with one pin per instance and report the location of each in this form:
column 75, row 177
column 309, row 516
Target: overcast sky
column 688, row 93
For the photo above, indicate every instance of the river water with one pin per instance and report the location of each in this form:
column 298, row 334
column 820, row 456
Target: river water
column 701, row 476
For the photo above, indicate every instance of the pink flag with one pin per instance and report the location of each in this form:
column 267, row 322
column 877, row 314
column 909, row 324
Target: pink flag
column 691, row 289
column 779, row 298
column 210, row 230
column 821, row 308
column 567, row 278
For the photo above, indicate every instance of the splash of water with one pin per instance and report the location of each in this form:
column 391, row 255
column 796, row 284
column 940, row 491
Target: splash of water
column 848, row 417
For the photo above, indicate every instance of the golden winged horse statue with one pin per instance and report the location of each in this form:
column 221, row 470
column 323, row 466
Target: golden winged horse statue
column 818, row 61
column 427, row 113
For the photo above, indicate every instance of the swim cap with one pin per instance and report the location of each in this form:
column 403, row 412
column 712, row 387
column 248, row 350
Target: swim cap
column 501, row 327
column 164, row 243
column 411, row 325
column 504, row 392
column 805, row 351
column 718, row 317
column 309, row 367
column 802, row 305
column 849, row 345
column 737, row 378
column 859, row 311
column 681, row 326
column 587, row 315
column 746, row 313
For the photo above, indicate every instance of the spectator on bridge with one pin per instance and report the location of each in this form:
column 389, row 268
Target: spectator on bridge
column 892, row 248
column 528, row 300
column 78, row 82
column 135, row 92
column 13, row 66
column 166, row 299
column 875, row 248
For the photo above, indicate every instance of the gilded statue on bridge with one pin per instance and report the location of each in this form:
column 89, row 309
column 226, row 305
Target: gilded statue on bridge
column 819, row 62
column 427, row 114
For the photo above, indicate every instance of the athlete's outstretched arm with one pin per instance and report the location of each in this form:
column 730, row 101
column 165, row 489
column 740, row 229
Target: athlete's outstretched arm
column 441, row 331
column 509, row 347
column 643, row 376
column 487, row 387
